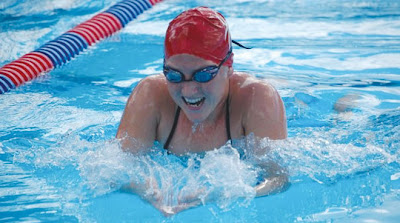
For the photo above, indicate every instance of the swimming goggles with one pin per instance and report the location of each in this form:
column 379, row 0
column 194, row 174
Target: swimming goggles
column 202, row 76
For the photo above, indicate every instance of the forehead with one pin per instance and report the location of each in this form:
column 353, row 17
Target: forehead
column 187, row 62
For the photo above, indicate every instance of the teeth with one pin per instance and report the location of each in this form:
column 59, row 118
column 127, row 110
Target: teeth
column 193, row 101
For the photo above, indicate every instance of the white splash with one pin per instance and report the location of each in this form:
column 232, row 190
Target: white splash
column 54, row 115
column 14, row 44
column 126, row 83
column 195, row 125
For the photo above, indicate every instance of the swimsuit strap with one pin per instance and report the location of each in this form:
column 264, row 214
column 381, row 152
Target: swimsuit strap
column 227, row 125
column 171, row 134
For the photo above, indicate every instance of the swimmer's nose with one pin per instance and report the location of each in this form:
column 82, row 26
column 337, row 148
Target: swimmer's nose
column 189, row 88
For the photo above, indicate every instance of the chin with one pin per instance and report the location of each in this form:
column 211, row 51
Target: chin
column 195, row 118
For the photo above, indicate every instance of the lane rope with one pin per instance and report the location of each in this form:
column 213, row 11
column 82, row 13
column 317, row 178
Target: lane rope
column 59, row 51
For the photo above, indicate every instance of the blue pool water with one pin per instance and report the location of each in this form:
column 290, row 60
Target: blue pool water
column 335, row 63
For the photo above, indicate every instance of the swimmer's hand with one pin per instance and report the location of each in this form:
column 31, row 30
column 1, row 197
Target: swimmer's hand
column 276, row 182
column 151, row 193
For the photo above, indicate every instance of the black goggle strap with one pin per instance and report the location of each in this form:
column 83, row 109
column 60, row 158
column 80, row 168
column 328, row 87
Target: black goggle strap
column 238, row 44
column 226, row 57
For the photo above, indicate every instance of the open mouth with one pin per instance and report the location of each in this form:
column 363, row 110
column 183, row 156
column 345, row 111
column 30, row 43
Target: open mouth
column 194, row 102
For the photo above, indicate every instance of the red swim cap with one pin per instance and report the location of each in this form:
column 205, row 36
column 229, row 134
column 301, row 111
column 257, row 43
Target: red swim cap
column 201, row 32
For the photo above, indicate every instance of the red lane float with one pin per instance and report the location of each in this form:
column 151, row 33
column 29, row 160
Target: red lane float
column 62, row 49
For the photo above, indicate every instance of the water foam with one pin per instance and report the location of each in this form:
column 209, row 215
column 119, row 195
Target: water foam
column 83, row 169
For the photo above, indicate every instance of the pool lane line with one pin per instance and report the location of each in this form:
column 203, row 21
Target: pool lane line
column 59, row 51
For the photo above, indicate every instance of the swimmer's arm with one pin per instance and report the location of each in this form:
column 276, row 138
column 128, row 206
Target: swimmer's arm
column 137, row 129
column 276, row 181
column 150, row 192
column 265, row 114
column 266, row 117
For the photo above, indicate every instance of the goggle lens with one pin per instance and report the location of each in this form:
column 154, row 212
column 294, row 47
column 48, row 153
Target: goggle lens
column 173, row 76
column 202, row 76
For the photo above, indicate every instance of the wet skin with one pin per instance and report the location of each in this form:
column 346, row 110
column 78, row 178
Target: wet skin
column 254, row 105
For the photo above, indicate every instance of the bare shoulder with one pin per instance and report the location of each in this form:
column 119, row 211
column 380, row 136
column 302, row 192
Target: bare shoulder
column 143, row 111
column 260, row 104
column 151, row 92
column 152, row 86
column 250, row 89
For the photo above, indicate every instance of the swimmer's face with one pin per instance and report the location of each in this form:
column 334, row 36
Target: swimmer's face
column 199, row 101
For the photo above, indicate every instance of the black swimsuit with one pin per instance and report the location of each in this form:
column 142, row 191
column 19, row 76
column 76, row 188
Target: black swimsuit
column 171, row 134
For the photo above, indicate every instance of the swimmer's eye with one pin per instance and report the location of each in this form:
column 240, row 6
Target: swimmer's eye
column 205, row 74
column 202, row 76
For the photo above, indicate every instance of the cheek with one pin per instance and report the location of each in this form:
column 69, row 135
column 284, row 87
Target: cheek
column 213, row 90
column 217, row 85
column 173, row 90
